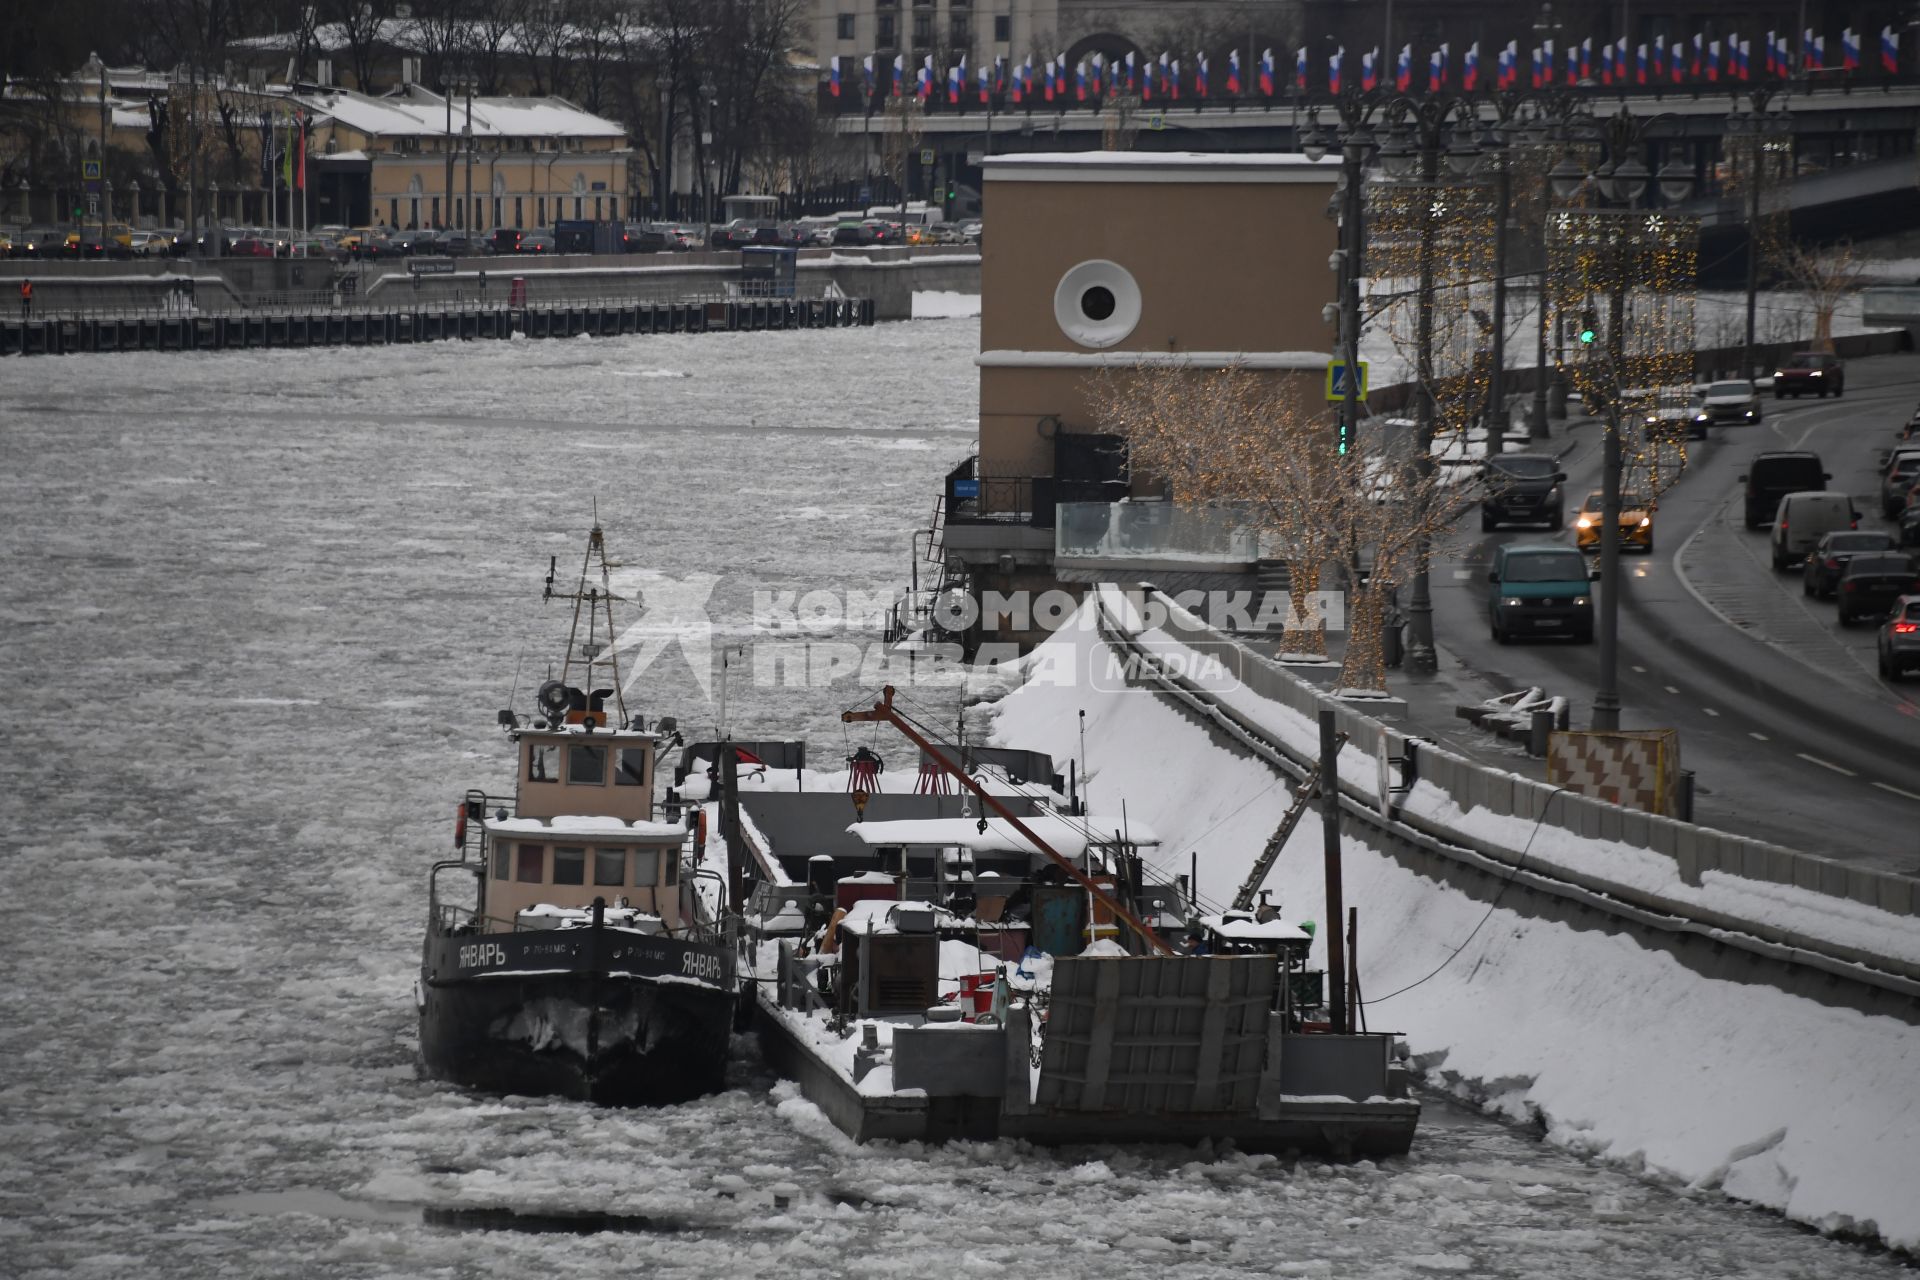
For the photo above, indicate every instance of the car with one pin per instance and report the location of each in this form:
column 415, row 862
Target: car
column 1720, row 403
column 1903, row 471
column 150, row 244
column 1522, row 488
column 1774, row 474
column 680, row 239
column 642, row 238
column 411, row 241
column 1871, row 582
column 1820, row 372
column 1671, row 425
column 250, row 247
column 1636, row 522
column 458, row 244
column 1899, row 645
column 536, row 242
column 40, row 242
column 1909, row 532
column 506, row 239
column 1539, row 589
column 1829, row 557
column 972, row 232
column 1802, row 519
column 855, row 234
column 885, row 232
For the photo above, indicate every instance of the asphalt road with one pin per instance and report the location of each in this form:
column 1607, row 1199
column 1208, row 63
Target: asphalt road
column 1788, row 729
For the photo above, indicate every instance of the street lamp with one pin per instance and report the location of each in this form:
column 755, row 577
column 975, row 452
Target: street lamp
column 1757, row 129
column 97, row 187
column 1624, row 238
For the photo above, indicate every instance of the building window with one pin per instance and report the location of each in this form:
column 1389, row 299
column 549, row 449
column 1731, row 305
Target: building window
column 517, row 220
column 579, row 206
column 633, row 768
column 587, row 766
column 436, row 211
column 499, row 207
column 502, row 860
column 1002, row 27
column 609, row 866
column 922, row 30
column 846, row 26
column 596, row 208
column 543, row 212
column 569, row 865
column 532, row 865
column 673, row 865
column 613, row 207
column 543, row 762
column 393, row 212
column 960, row 30
column 413, row 214
column 884, row 37
column 646, row 867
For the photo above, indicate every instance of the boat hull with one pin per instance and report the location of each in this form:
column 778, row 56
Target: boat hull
column 597, row 1015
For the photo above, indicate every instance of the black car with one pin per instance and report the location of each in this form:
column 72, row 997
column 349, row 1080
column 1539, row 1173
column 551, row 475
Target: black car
column 1871, row 583
column 536, row 242
column 1522, row 488
column 1772, row 476
column 1900, row 639
column 1910, row 525
column 1830, row 555
column 506, row 239
column 642, row 238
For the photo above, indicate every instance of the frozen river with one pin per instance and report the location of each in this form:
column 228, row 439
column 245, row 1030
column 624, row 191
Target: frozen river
column 258, row 613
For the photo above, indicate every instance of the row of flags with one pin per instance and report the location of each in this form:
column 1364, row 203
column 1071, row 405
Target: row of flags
column 1611, row 63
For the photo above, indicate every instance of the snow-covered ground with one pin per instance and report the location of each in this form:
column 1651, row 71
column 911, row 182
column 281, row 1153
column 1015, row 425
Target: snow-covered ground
column 259, row 611
column 1619, row 1051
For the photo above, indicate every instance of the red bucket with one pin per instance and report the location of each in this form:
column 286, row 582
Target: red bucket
column 976, row 993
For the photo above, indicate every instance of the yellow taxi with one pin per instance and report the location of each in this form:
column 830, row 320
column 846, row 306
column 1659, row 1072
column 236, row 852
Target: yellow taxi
column 1636, row 522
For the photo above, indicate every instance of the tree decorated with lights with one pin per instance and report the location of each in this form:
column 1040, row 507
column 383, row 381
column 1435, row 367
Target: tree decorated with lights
column 1826, row 275
column 1238, row 440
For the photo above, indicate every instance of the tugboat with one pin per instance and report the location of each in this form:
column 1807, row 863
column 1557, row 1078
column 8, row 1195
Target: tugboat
column 569, row 948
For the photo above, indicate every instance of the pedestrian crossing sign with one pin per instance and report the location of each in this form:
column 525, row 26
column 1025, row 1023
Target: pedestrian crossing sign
column 1337, row 381
column 90, row 171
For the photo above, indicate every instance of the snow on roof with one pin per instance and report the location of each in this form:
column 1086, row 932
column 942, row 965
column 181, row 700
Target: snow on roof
column 593, row 825
column 1244, row 928
column 420, row 113
column 1160, row 166
column 877, row 915
column 1069, row 837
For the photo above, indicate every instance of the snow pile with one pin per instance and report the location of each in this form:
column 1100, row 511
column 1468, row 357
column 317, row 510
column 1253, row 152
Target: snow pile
column 938, row 304
column 1621, row 1052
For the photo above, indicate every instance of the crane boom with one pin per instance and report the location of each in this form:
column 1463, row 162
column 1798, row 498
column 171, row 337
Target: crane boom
column 883, row 711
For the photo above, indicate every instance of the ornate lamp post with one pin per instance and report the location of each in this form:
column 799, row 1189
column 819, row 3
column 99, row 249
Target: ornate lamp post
column 1623, row 243
column 1757, row 131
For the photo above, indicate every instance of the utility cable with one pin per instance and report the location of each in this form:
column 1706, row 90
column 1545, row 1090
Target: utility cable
column 1498, row 893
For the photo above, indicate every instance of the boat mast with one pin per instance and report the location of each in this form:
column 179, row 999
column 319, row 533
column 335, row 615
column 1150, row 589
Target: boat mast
column 595, row 600
column 883, row 711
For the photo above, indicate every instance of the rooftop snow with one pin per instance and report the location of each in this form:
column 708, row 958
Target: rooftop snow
column 423, row 114
column 1069, row 837
column 580, row 824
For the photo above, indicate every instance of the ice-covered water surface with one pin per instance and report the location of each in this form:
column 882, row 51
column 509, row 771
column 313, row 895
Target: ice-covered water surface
column 259, row 610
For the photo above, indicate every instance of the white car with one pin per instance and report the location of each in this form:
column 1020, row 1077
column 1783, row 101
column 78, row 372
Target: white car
column 1727, row 402
column 150, row 244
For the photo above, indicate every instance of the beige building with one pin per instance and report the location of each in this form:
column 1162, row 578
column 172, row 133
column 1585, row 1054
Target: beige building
column 1202, row 261
column 526, row 162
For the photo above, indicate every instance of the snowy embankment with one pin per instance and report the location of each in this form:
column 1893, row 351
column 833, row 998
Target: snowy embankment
column 1620, row 1052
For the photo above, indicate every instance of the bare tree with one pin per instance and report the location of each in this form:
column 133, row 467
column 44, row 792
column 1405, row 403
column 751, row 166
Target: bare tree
column 495, row 27
column 361, row 23
column 1237, row 441
column 1826, row 275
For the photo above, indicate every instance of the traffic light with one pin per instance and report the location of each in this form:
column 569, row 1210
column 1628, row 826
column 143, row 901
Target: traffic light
column 951, row 192
column 1589, row 327
column 1346, row 438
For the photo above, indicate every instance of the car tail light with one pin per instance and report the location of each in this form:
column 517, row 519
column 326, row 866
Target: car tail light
column 1848, row 586
column 1906, row 628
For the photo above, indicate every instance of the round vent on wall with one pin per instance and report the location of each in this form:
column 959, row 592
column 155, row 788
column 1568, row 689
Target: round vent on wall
column 1097, row 303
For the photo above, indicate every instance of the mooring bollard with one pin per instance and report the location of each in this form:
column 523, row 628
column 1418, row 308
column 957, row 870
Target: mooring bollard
column 1541, row 731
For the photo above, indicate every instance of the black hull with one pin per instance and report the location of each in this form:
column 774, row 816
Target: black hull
column 619, row 1038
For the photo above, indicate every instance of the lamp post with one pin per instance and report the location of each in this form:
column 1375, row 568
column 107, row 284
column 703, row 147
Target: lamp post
column 1622, row 238
column 98, row 187
column 1756, row 129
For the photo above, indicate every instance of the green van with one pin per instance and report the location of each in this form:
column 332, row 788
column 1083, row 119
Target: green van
column 1540, row 589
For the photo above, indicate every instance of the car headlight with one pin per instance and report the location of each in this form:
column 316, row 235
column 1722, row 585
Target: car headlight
column 1703, row 416
column 1583, row 523
column 1645, row 521
column 1512, row 602
column 1816, row 373
column 1579, row 600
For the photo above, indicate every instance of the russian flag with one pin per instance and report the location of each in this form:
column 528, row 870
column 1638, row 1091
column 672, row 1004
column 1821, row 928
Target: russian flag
column 1677, row 64
column 1370, row 69
column 1574, row 75
column 1606, row 63
column 986, row 87
column 866, row 72
column 1233, row 73
column 1586, row 61
column 1200, row 75
column 1849, row 50
column 1173, row 80
column 956, row 76
column 1813, row 51
column 1000, row 75
column 1743, row 59
column 1446, row 64
column 1130, row 73
column 1537, row 80
column 1640, row 64
column 1266, row 72
column 1773, row 63
column 1333, row 69
column 1080, row 81
column 1699, row 49
column 1546, row 62
column 1300, row 70
column 1889, row 51
column 1403, row 70
column 1713, row 62
column 1658, row 69
column 899, row 74
column 833, row 75
column 1470, row 68
column 1433, row 72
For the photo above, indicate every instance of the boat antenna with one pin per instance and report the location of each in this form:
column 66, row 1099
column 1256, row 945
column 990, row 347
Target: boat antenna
column 595, row 603
column 1086, row 782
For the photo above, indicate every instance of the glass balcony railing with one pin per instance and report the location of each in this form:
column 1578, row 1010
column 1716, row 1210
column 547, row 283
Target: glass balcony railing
column 1153, row 531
